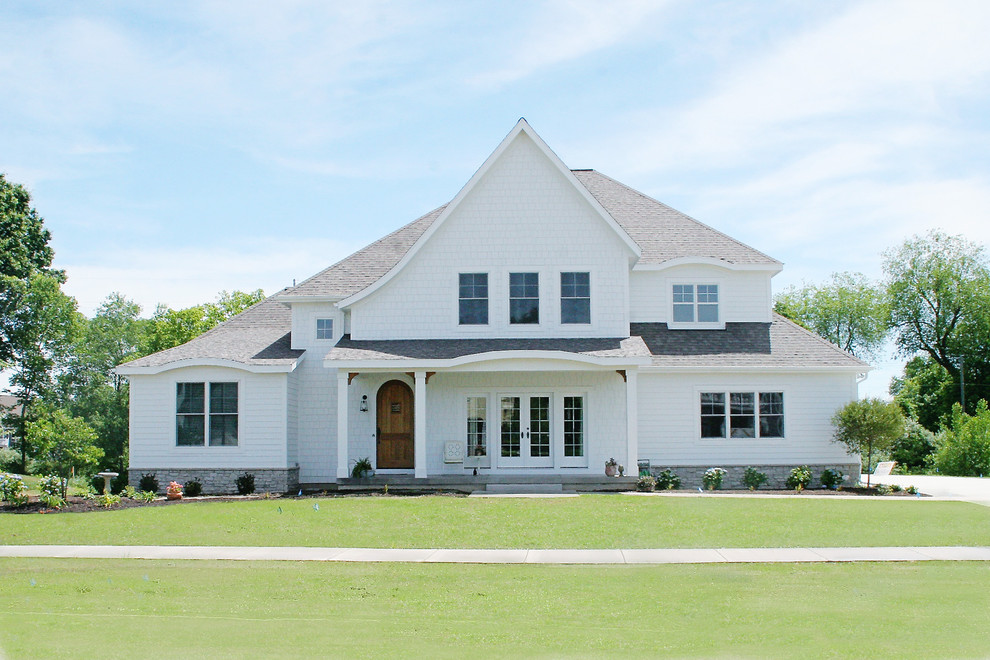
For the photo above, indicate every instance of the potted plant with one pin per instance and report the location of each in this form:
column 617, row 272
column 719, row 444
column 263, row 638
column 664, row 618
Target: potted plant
column 174, row 491
column 610, row 467
column 362, row 469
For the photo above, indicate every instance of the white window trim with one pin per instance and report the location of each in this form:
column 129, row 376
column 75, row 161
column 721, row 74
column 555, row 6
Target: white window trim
column 541, row 299
column 333, row 328
column 471, row 327
column 591, row 299
column 672, row 325
column 571, row 461
column 477, row 461
column 206, row 415
column 735, row 389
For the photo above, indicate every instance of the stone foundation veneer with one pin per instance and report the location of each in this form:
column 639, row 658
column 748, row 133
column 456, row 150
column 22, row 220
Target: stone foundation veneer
column 776, row 474
column 221, row 481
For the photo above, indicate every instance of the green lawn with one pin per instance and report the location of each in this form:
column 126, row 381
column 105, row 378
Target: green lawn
column 589, row 521
column 130, row 608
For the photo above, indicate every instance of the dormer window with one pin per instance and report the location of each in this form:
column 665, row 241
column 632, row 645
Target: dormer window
column 695, row 303
column 324, row 328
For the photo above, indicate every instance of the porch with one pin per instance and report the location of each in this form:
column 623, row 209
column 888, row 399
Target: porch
column 544, row 483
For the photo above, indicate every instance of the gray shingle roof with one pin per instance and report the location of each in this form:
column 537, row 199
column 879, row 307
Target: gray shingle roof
column 781, row 343
column 661, row 233
column 259, row 336
column 445, row 349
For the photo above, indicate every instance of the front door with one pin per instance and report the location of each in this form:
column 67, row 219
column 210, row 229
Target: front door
column 395, row 426
column 525, row 430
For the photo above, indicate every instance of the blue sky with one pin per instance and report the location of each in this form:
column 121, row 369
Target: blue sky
column 179, row 148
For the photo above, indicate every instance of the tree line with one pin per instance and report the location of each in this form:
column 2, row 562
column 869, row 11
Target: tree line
column 60, row 364
column 933, row 303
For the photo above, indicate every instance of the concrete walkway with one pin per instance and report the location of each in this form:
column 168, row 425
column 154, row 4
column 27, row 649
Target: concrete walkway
column 966, row 489
column 451, row 556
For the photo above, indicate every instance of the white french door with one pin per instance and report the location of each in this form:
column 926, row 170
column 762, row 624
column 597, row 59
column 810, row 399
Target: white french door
column 525, row 430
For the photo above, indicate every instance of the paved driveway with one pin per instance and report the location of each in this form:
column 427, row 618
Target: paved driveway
column 971, row 489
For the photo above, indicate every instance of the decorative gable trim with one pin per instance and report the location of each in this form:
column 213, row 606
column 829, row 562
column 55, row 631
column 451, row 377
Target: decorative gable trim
column 522, row 126
column 710, row 261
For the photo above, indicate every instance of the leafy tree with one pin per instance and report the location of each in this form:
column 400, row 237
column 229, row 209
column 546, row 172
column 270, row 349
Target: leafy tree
column 939, row 288
column 926, row 392
column 61, row 444
column 41, row 333
column 24, row 251
column 169, row 327
column 914, row 448
column 963, row 447
column 868, row 426
column 850, row 311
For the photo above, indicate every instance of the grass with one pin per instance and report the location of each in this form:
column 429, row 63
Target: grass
column 130, row 608
column 590, row 521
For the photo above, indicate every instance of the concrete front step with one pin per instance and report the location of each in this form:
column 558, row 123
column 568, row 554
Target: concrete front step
column 523, row 488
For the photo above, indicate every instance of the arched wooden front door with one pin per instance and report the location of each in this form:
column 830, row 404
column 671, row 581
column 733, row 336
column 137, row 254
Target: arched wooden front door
column 395, row 425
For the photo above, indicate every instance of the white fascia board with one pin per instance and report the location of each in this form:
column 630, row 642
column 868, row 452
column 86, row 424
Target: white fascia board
column 448, row 363
column 757, row 369
column 710, row 261
column 125, row 370
column 522, row 126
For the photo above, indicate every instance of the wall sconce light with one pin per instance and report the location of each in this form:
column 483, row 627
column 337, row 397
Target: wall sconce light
column 364, row 403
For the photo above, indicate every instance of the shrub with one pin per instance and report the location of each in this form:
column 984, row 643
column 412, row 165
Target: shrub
column 148, row 482
column 913, row 449
column 753, row 478
column 712, row 479
column 194, row 488
column 361, row 468
column 964, row 445
column 108, row 500
column 668, row 480
column 912, row 490
column 245, row 484
column 146, row 496
column 51, row 492
column 9, row 460
column 130, row 492
column 831, row 479
column 646, row 484
column 895, row 488
column 884, row 489
column 800, row 478
column 12, row 490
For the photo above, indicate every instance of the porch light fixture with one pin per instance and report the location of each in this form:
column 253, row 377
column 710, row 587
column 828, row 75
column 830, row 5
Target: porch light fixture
column 364, row 403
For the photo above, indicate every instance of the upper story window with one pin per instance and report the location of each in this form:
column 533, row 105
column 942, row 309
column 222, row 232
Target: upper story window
column 575, row 298
column 324, row 328
column 473, row 299
column 191, row 428
column 695, row 303
column 524, row 298
column 747, row 415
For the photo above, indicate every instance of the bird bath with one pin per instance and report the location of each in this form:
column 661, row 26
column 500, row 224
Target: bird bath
column 107, row 476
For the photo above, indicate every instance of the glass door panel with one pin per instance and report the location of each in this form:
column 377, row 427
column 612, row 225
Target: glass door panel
column 525, row 437
column 511, row 433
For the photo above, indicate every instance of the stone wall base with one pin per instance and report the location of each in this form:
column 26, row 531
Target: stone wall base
column 776, row 474
column 221, row 481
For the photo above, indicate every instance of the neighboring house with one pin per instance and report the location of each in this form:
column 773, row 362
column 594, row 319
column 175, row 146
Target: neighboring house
column 9, row 406
column 540, row 323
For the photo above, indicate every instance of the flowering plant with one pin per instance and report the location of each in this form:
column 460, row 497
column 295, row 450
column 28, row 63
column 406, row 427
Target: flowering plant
column 174, row 488
column 712, row 479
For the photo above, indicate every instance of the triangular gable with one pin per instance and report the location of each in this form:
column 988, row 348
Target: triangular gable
column 522, row 126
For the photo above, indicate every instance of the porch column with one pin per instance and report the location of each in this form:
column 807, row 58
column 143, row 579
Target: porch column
column 632, row 422
column 419, row 424
column 342, row 472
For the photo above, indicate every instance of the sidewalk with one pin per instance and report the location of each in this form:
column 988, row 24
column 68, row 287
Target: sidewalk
column 451, row 556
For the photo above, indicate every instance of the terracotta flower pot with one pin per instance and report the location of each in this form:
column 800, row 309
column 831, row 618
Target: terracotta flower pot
column 173, row 496
column 609, row 470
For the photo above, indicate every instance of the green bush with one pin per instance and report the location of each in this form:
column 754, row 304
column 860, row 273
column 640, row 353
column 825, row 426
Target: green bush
column 12, row 490
column 646, row 484
column 712, row 478
column 9, row 460
column 146, row 496
column 963, row 447
column 148, row 482
column 361, row 468
column 108, row 500
column 831, row 479
column 884, row 489
column 913, row 449
column 245, row 484
column 753, row 479
column 800, row 478
column 193, row 488
column 130, row 492
column 668, row 480
column 50, row 487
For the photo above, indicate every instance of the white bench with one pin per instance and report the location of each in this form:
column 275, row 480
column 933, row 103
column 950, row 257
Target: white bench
column 884, row 468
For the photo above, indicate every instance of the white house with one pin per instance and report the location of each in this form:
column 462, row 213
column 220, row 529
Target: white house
column 543, row 321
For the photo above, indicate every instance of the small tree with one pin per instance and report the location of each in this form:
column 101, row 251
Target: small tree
column 963, row 446
column 866, row 426
column 61, row 443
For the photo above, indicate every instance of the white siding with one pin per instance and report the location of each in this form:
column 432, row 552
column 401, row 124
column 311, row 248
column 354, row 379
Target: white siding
column 743, row 295
column 316, row 419
column 523, row 216
column 262, row 414
column 669, row 419
column 304, row 317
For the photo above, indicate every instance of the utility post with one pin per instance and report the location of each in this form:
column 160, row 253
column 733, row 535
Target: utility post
column 962, row 381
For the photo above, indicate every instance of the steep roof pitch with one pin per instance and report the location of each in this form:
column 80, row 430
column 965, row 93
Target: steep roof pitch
column 782, row 344
column 257, row 337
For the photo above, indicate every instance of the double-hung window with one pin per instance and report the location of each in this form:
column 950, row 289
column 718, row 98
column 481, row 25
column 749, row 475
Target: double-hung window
column 524, row 298
column 742, row 414
column 695, row 303
column 473, row 299
column 200, row 420
column 575, row 298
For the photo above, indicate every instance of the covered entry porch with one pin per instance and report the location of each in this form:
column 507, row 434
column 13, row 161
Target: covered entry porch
column 533, row 408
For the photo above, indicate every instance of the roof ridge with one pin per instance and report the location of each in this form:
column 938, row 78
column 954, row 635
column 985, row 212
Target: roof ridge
column 778, row 316
column 682, row 213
